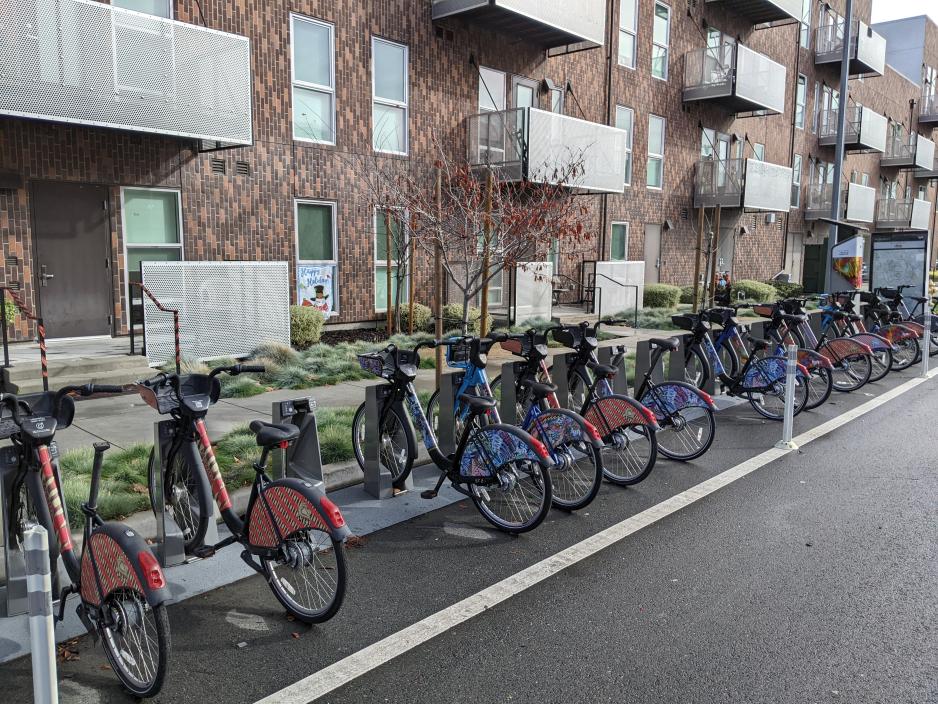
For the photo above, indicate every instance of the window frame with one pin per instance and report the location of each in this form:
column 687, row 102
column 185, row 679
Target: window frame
column 314, row 87
column 628, row 233
column 805, row 31
column 386, row 263
column 801, row 89
column 656, row 155
column 562, row 103
column 758, row 151
column 816, row 115
column 127, row 247
column 631, row 32
column 629, row 150
column 169, row 3
column 387, row 102
column 666, row 47
column 334, row 262
column 795, row 203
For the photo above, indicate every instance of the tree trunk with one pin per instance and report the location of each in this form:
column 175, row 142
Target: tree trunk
column 387, row 261
column 465, row 314
column 483, row 320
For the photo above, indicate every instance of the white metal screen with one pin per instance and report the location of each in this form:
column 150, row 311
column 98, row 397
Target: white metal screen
column 86, row 62
column 226, row 309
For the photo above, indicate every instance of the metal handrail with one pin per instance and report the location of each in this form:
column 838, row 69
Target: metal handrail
column 164, row 309
column 599, row 292
column 40, row 332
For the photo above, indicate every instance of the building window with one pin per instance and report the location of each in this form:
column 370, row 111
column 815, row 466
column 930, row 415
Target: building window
column 383, row 263
column 152, row 227
column 922, row 193
column 805, row 37
column 556, row 100
column 316, row 256
column 389, row 110
column 661, row 37
column 796, row 168
column 864, row 179
column 801, row 99
column 313, row 80
column 625, row 120
column 619, row 249
column 160, row 8
column 492, row 89
column 654, row 176
column 628, row 16
column 758, row 151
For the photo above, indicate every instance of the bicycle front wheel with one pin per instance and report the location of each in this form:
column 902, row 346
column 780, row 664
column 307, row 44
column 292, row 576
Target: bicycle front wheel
column 397, row 448
column 686, row 434
column 185, row 495
column 136, row 641
column 696, row 368
column 308, row 576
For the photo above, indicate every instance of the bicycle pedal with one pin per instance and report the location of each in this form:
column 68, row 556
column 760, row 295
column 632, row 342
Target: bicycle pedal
column 204, row 552
column 429, row 494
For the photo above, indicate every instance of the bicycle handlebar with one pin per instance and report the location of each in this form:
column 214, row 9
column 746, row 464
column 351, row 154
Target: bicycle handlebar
column 236, row 369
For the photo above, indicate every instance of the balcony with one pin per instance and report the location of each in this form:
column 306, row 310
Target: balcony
column 908, row 151
column 88, row 63
column 739, row 183
column 928, row 174
column 866, row 130
column 904, row 214
column 547, row 24
column 928, row 110
column 867, row 48
column 759, row 11
column 542, row 147
column 858, row 203
column 735, row 77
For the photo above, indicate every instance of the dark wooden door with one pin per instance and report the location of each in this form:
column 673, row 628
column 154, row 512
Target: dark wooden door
column 72, row 235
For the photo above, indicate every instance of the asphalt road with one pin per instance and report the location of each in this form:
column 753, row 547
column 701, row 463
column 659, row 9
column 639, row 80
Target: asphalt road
column 811, row 580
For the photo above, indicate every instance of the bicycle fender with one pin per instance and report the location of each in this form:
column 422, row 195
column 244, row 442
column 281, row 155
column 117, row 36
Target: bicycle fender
column 895, row 333
column 840, row 348
column 500, row 444
column 767, row 371
column 875, row 342
column 672, row 396
column 286, row 506
column 559, row 426
column 116, row 551
column 610, row 413
column 920, row 319
column 810, row 359
column 917, row 328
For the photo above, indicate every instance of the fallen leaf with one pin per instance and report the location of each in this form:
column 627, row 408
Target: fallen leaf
column 138, row 488
column 355, row 541
column 295, row 635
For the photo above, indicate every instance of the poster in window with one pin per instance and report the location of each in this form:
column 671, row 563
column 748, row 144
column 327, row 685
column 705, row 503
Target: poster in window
column 316, row 287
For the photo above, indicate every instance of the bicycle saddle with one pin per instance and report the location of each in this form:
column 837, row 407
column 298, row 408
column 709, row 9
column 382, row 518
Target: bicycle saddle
column 854, row 318
column 758, row 344
column 918, row 299
column 478, row 404
column 271, row 435
column 539, row 390
column 602, row 369
column 666, row 343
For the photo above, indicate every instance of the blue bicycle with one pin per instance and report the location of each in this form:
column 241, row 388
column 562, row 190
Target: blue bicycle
column 573, row 444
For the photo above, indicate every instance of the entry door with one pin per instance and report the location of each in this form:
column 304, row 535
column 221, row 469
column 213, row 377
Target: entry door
column 523, row 92
column 652, row 254
column 73, row 254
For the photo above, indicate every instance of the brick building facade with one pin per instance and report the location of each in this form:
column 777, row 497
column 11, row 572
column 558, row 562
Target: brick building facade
column 244, row 202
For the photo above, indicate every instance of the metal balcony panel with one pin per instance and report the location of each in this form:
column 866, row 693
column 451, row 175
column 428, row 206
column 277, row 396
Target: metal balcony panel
column 866, row 130
column 871, row 50
column 85, row 62
column 545, row 23
column 767, row 187
column 867, row 48
column 861, row 203
column 928, row 110
column 931, row 173
column 759, row 11
column 921, row 215
column 905, row 214
column 924, row 152
column 736, row 77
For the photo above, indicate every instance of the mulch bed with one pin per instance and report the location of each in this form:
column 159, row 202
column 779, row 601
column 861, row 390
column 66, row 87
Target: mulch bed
column 334, row 337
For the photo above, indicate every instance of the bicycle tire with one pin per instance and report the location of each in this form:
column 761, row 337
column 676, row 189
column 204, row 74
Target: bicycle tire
column 619, row 442
column 139, row 687
column 393, row 422
column 728, row 354
column 572, row 490
column 852, row 372
column 778, row 391
column 794, row 337
column 193, row 524
column 284, row 589
column 881, row 363
column 674, row 424
column 906, row 353
column 820, row 387
column 700, row 376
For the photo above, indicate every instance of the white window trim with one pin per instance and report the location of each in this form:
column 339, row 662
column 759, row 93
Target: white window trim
column 392, row 103
column 796, row 177
column 295, row 83
column 802, row 81
column 126, row 248
column 633, row 32
column 630, row 149
column 655, row 155
column 334, row 262
column 386, row 263
column 628, row 234
column 666, row 47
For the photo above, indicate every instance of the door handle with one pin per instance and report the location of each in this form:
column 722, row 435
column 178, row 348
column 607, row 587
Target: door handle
column 44, row 276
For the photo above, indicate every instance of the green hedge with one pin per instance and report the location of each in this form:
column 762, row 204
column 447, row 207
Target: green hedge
column 687, row 294
column 452, row 317
column 755, row 291
column 305, row 326
column 661, row 296
column 786, row 290
column 423, row 318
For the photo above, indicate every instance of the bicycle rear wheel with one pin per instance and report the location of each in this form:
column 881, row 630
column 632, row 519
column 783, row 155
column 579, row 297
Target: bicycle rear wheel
column 820, row 387
column 770, row 402
column 398, row 448
column 308, row 577
column 686, row 434
column 629, row 454
column 136, row 641
column 905, row 354
column 577, row 472
column 185, row 495
column 852, row 372
column 881, row 363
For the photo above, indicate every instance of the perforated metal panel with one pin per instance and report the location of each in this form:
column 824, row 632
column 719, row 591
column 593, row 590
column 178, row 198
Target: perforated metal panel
column 226, row 309
column 768, row 186
column 759, row 79
column 86, row 62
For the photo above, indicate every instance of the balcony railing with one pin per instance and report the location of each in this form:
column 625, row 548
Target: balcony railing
column 85, row 62
column 548, row 24
column 739, row 183
column 857, row 202
column 928, row 110
column 866, row 129
column 867, row 48
column 759, row 11
column 817, row 202
column 735, row 77
column 930, row 173
column 903, row 214
column 908, row 151
column 544, row 147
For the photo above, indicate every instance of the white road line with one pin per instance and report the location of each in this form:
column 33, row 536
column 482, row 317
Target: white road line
column 357, row 664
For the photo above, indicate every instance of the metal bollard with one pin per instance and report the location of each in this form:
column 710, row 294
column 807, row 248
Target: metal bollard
column 926, row 340
column 41, row 625
column 788, row 424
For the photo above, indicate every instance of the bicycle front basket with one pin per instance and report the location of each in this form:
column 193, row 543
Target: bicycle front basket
column 568, row 337
column 869, row 297
column 162, row 397
column 684, row 322
column 458, row 353
column 766, row 311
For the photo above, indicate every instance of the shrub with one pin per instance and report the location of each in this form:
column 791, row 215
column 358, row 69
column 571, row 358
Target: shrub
column 452, row 317
column 275, row 352
column 11, row 309
column 423, row 318
column 305, row 326
column 661, row 296
column 786, row 290
column 753, row 290
column 687, row 294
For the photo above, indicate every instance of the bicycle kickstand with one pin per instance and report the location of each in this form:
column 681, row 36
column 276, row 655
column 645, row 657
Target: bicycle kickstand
column 435, row 491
